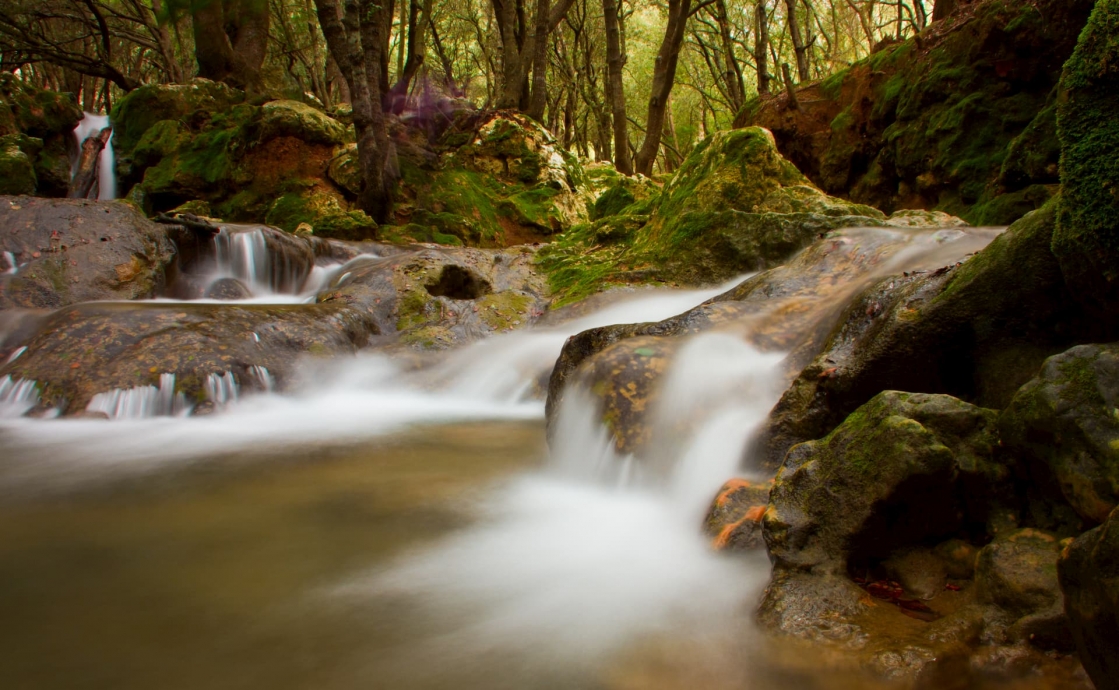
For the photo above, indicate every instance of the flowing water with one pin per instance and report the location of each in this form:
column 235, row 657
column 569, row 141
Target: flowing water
column 91, row 125
column 382, row 526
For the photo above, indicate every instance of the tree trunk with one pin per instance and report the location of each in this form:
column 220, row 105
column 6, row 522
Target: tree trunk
column 231, row 40
column 790, row 89
column 799, row 45
column 761, row 45
column 664, row 76
column 944, row 9
column 615, row 91
column 417, row 49
column 355, row 37
column 84, row 183
column 736, row 89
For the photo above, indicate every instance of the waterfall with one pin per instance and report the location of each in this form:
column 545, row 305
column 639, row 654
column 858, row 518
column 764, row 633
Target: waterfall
column 222, row 389
column 91, row 125
column 10, row 259
column 17, row 397
column 141, row 402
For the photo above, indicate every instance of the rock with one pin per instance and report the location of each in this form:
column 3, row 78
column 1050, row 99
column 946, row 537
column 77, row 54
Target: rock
column 324, row 211
column 926, row 123
column 886, row 478
column 1086, row 242
column 965, row 324
column 17, row 173
column 1066, row 423
column 1088, row 570
column 228, row 289
column 1018, row 574
column 919, row 571
column 916, row 218
column 298, row 120
column 73, row 251
column 734, row 521
column 439, row 298
column 735, row 205
column 94, row 348
column 958, row 558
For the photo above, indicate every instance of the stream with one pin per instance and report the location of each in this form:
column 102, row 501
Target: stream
column 379, row 525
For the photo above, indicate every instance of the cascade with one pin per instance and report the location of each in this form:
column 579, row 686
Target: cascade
column 10, row 259
column 17, row 397
column 142, row 402
column 222, row 389
column 89, row 126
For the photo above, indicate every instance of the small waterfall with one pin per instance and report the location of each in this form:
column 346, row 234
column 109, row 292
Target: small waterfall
column 222, row 389
column 10, row 259
column 91, row 125
column 142, row 402
column 17, row 397
column 16, row 353
column 263, row 378
column 244, row 256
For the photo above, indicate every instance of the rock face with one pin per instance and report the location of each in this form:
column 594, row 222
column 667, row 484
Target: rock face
column 1064, row 422
column 1017, row 574
column 734, row 521
column 1089, row 577
column 70, row 251
column 94, row 348
column 1087, row 238
column 962, row 118
column 36, row 127
column 967, row 326
column 735, row 205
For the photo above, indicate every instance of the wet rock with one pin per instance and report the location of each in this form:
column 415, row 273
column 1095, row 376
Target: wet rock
column 960, row 330
column 919, row 571
column 1017, row 574
column 885, row 478
column 1065, row 422
column 734, row 521
column 93, row 348
column 1089, row 576
column 1085, row 240
column 228, row 289
column 72, row 251
column 917, row 218
column 958, row 558
column 36, row 128
column 436, row 298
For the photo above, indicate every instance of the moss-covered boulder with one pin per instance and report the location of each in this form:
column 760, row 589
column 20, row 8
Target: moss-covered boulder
column 71, row 251
column 436, row 298
column 17, row 171
column 36, row 129
column 1087, row 238
column 885, row 478
column 287, row 118
column 87, row 349
column 1017, row 574
column 147, row 105
column 1065, row 422
column 975, row 330
column 1089, row 577
column 959, row 118
column 735, row 205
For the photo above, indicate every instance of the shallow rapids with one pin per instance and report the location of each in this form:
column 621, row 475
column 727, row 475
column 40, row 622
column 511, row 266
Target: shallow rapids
column 391, row 525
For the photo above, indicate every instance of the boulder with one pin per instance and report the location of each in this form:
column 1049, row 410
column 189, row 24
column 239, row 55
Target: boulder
column 71, row 251
column 890, row 476
column 36, row 133
column 93, row 348
column 961, row 330
column 1017, row 574
column 735, row 205
column 437, row 298
column 1065, row 422
column 1088, row 570
column 17, row 172
column 1086, row 241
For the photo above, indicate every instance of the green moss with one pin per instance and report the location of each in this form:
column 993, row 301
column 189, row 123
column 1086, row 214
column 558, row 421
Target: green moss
column 612, row 202
column 17, row 172
column 833, row 85
column 505, row 310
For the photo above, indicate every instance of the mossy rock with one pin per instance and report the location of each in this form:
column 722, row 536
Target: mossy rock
column 883, row 479
column 1089, row 579
column 17, row 172
column 1087, row 238
column 323, row 211
column 294, row 119
column 134, row 114
column 1066, row 422
column 35, row 112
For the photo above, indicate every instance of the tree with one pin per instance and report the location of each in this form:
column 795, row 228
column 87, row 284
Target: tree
column 231, row 40
column 355, row 35
column 664, row 76
column 615, row 93
column 518, row 44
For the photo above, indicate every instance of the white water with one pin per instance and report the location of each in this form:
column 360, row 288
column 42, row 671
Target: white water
column 10, row 259
column 142, row 402
column 91, row 125
column 17, row 397
column 566, row 565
